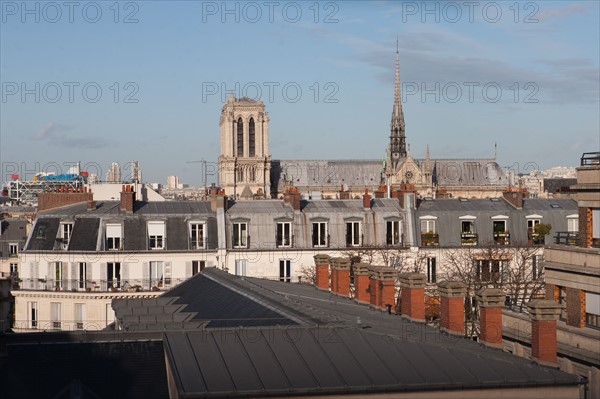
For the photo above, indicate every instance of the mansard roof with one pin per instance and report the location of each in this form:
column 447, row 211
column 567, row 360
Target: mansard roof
column 328, row 172
column 150, row 208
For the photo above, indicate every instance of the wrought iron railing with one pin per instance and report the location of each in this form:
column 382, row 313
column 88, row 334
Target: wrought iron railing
column 566, row 238
column 590, row 158
column 95, row 286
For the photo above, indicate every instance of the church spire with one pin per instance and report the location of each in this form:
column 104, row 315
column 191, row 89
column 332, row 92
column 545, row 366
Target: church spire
column 397, row 147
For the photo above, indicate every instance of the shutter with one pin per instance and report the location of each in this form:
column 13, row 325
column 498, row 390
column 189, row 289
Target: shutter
column 33, row 275
column 74, row 277
column 146, row 275
column 88, row 275
column 595, row 223
column 167, row 273
column 188, row 269
column 103, row 284
column 64, row 276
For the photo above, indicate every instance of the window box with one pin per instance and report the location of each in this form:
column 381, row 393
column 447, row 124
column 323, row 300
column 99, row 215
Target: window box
column 430, row 239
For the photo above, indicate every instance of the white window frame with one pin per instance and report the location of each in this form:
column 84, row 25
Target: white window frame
column 14, row 269
column 55, row 315
column 428, row 224
column 156, row 274
column 431, row 269
column 285, row 270
column 393, row 232
column 116, row 277
column 33, row 315
column 13, row 249
column 156, row 235
column 66, row 232
column 573, row 223
column 320, row 239
column 79, row 315
column 58, row 274
column 283, row 234
column 114, row 241
column 81, row 275
column 240, row 235
column 197, row 232
column 354, row 239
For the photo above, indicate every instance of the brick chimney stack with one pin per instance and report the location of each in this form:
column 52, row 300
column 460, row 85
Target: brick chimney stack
column 340, row 280
column 413, row 296
column 127, row 198
column 91, row 205
column 322, row 271
column 361, row 282
column 366, row 200
column 491, row 301
column 292, row 196
column 544, row 314
column 452, row 295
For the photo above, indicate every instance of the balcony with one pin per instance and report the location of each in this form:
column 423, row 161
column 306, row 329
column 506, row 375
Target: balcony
column 534, row 238
column 566, row 238
column 468, row 238
column 97, row 286
column 502, row 238
column 430, row 239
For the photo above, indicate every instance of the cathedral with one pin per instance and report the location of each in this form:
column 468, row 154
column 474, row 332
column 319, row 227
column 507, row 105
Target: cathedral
column 246, row 170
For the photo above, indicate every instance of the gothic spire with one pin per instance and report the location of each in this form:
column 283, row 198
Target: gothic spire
column 397, row 146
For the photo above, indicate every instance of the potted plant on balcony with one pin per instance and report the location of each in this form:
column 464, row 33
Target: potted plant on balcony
column 540, row 231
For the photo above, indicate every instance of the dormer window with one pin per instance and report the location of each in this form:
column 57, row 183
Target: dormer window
column 66, row 230
column 156, row 235
column 240, row 235
column 197, row 235
column 114, row 239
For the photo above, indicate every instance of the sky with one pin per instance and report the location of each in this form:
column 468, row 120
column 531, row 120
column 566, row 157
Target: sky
column 106, row 81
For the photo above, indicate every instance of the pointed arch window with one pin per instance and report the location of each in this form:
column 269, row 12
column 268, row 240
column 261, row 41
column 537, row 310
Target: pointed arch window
column 240, row 138
column 251, row 138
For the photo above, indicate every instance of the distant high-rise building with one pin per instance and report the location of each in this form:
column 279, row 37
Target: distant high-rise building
column 114, row 173
column 173, row 182
column 136, row 172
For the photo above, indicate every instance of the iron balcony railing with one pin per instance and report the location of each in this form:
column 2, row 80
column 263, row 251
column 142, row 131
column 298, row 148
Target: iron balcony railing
column 566, row 238
column 590, row 158
column 95, row 286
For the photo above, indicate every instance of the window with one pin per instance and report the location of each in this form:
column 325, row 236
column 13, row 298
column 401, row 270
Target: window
column 197, row 266
column 156, row 235
column 79, row 315
column 240, row 235
column 392, row 232
column 113, row 237
column 82, row 272
column 58, row 275
column 13, row 250
column 14, row 269
column 592, row 310
column 157, row 273
column 113, row 275
column 489, row 270
column 501, row 234
column 197, row 237
column 467, row 232
column 428, row 226
column 55, row 314
column 240, row 138
column 531, row 223
column 431, row 270
column 285, row 270
column 283, row 234
column 467, row 227
column 319, row 234
column 499, row 226
column 66, row 229
column 251, row 138
column 33, row 314
column 573, row 224
column 353, row 234
column 596, row 227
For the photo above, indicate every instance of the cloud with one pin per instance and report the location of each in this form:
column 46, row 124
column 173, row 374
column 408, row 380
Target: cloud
column 560, row 12
column 54, row 134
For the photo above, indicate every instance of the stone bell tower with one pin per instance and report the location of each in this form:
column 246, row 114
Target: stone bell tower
column 244, row 161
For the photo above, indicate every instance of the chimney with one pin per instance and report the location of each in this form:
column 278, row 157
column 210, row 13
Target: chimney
column 374, row 292
column 292, row 197
column 491, row 301
column 91, row 205
column 343, row 193
column 452, row 295
column 361, row 282
column 366, row 200
column 413, row 296
column 62, row 197
column 514, row 197
column 127, row 198
column 322, row 271
column 340, row 284
column 387, row 281
column 217, row 199
column 544, row 314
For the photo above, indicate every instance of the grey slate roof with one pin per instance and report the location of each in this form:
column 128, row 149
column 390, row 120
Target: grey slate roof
column 141, row 208
column 263, row 206
column 13, row 231
column 334, row 206
column 85, row 234
column 448, row 211
column 44, row 234
column 60, row 365
column 327, row 173
column 467, row 172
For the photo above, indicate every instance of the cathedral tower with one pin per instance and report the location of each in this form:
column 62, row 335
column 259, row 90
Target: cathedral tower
column 397, row 148
column 244, row 161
